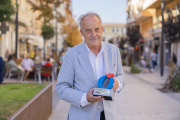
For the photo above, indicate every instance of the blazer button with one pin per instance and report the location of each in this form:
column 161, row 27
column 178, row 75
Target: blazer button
column 99, row 107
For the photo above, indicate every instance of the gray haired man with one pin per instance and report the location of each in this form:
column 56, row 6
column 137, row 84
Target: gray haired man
column 82, row 66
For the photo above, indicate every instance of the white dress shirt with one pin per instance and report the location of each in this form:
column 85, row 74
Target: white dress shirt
column 97, row 63
column 27, row 63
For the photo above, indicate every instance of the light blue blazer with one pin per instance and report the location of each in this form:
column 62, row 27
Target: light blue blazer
column 76, row 77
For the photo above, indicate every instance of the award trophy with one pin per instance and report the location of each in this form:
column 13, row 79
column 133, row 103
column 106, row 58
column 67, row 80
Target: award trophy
column 107, row 93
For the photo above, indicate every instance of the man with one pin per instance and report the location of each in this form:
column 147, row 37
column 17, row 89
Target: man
column 14, row 67
column 27, row 64
column 82, row 66
column 32, row 54
column 154, row 59
column 144, row 64
column 7, row 54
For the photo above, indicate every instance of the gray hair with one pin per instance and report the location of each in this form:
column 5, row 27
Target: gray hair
column 87, row 14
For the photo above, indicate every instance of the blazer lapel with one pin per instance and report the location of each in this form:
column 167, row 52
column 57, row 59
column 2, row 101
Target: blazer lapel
column 107, row 59
column 86, row 64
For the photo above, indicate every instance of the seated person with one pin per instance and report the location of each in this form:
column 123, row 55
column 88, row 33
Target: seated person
column 144, row 64
column 27, row 64
column 13, row 65
column 51, row 59
column 45, row 61
column 61, row 58
column 48, row 63
column 1, row 69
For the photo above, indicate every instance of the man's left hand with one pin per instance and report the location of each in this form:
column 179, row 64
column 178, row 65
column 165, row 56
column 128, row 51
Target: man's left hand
column 115, row 85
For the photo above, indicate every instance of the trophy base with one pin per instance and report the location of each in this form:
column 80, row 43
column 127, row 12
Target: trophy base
column 107, row 94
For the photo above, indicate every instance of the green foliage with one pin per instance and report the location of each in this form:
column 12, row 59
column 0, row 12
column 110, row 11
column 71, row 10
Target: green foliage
column 176, row 83
column 122, row 43
column 6, row 10
column 134, row 69
column 46, row 8
column 14, row 96
column 133, row 35
column 47, row 31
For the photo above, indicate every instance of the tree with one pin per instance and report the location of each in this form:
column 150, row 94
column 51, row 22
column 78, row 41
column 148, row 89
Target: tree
column 47, row 31
column 73, row 36
column 172, row 26
column 6, row 10
column 133, row 36
column 46, row 9
column 122, row 43
column 70, row 29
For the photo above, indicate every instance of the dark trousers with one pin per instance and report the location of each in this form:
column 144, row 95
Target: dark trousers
column 153, row 64
column 102, row 116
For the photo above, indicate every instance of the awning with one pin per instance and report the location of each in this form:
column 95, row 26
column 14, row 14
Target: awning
column 33, row 39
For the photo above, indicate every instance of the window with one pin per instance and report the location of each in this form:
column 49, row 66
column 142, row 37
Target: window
column 113, row 30
column 117, row 30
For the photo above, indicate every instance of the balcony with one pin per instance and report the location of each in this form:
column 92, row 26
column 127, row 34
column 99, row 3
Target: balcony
column 34, row 2
column 144, row 14
column 157, row 4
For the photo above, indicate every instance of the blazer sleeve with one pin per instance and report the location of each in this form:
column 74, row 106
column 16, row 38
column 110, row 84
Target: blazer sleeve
column 120, row 73
column 65, row 83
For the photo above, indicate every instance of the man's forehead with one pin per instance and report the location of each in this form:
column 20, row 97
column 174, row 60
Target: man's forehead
column 91, row 21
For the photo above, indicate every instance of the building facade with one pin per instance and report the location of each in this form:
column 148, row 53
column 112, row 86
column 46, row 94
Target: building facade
column 113, row 32
column 29, row 30
column 148, row 15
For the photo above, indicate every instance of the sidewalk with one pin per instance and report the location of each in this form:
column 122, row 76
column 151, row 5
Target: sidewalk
column 139, row 100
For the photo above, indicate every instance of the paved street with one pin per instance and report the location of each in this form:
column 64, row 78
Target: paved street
column 139, row 100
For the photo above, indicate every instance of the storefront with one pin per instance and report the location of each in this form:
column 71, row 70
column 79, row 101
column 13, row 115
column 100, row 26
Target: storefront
column 30, row 42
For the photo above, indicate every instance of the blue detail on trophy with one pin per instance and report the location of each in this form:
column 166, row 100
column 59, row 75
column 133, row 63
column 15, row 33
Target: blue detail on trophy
column 107, row 93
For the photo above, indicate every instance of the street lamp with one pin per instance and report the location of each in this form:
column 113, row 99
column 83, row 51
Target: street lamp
column 56, row 30
column 16, row 28
column 162, row 39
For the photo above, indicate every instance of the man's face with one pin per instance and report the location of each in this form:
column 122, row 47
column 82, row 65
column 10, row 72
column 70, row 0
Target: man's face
column 27, row 56
column 92, row 31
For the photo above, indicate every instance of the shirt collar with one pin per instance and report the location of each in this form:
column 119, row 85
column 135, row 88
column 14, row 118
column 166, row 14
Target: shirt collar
column 102, row 49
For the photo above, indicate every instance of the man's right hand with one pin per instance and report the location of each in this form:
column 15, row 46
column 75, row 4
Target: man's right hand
column 91, row 98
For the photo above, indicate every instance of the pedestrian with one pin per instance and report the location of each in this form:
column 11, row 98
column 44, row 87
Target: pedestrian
column 51, row 59
column 14, row 53
column 27, row 64
column 45, row 61
column 48, row 63
column 144, row 55
column 154, row 59
column 7, row 54
column 61, row 58
column 32, row 54
column 81, row 69
column 14, row 67
column 1, row 69
column 145, row 65
column 174, row 60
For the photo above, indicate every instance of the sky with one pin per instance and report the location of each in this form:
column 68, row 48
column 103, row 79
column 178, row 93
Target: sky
column 110, row 11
